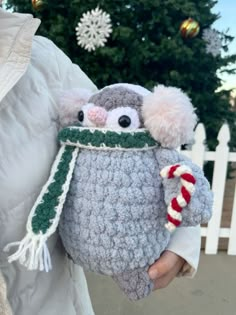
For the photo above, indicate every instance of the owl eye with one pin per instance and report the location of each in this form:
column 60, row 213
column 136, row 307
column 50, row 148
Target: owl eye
column 123, row 117
column 124, row 121
column 80, row 116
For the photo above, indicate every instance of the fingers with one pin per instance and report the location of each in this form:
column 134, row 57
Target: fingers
column 165, row 280
column 162, row 282
column 163, row 265
column 165, row 269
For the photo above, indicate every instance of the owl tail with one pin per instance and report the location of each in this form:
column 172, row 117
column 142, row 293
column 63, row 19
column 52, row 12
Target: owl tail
column 174, row 216
column 44, row 217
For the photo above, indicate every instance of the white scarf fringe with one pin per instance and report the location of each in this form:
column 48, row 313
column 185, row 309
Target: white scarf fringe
column 32, row 250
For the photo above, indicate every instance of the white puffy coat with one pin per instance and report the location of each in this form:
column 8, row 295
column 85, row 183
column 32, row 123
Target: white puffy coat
column 32, row 73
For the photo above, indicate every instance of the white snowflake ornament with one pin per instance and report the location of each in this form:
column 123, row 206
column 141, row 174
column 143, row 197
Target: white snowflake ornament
column 93, row 29
column 213, row 41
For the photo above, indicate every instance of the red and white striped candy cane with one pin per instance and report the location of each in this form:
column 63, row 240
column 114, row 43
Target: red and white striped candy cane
column 177, row 204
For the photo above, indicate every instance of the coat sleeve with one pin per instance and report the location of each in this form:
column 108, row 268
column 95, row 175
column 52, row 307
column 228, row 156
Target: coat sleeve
column 186, row 242
column 69, row 75
column 62, row 74
column 4, row 305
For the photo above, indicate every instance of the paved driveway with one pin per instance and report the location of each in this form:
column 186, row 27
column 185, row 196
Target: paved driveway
column 211, row 292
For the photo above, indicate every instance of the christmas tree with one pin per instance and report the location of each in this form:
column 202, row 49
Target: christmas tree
column 147, row 48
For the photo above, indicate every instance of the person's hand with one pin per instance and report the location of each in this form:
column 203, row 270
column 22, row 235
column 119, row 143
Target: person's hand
column 165, row 269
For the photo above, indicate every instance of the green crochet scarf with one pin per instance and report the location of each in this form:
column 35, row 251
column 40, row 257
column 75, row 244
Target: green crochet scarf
column 45, row 214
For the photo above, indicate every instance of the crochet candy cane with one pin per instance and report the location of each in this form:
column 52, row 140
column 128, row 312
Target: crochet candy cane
column 177, row 204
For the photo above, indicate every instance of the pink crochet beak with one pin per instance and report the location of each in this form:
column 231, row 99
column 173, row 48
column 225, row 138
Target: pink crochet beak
column 97, row 115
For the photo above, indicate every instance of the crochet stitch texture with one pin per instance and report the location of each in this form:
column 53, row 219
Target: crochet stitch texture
column 113, row 221
column 116, row 193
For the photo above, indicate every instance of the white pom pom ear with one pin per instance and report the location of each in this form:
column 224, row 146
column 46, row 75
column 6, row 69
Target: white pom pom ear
column 169, row 116
column 71, row 102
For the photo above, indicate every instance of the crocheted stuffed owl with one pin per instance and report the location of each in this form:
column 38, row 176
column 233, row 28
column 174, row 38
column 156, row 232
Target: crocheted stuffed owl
column 118, row 187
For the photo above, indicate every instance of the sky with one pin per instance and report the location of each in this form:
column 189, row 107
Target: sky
column 227, row 11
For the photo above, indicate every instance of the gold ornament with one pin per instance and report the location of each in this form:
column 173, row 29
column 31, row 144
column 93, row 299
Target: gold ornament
column 37, row 4
column 189, row 28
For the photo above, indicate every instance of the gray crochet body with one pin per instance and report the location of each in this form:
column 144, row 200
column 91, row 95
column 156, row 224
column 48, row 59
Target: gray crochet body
column 114, row 216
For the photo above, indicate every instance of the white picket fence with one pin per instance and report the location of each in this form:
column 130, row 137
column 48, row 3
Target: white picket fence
column 221, row 157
